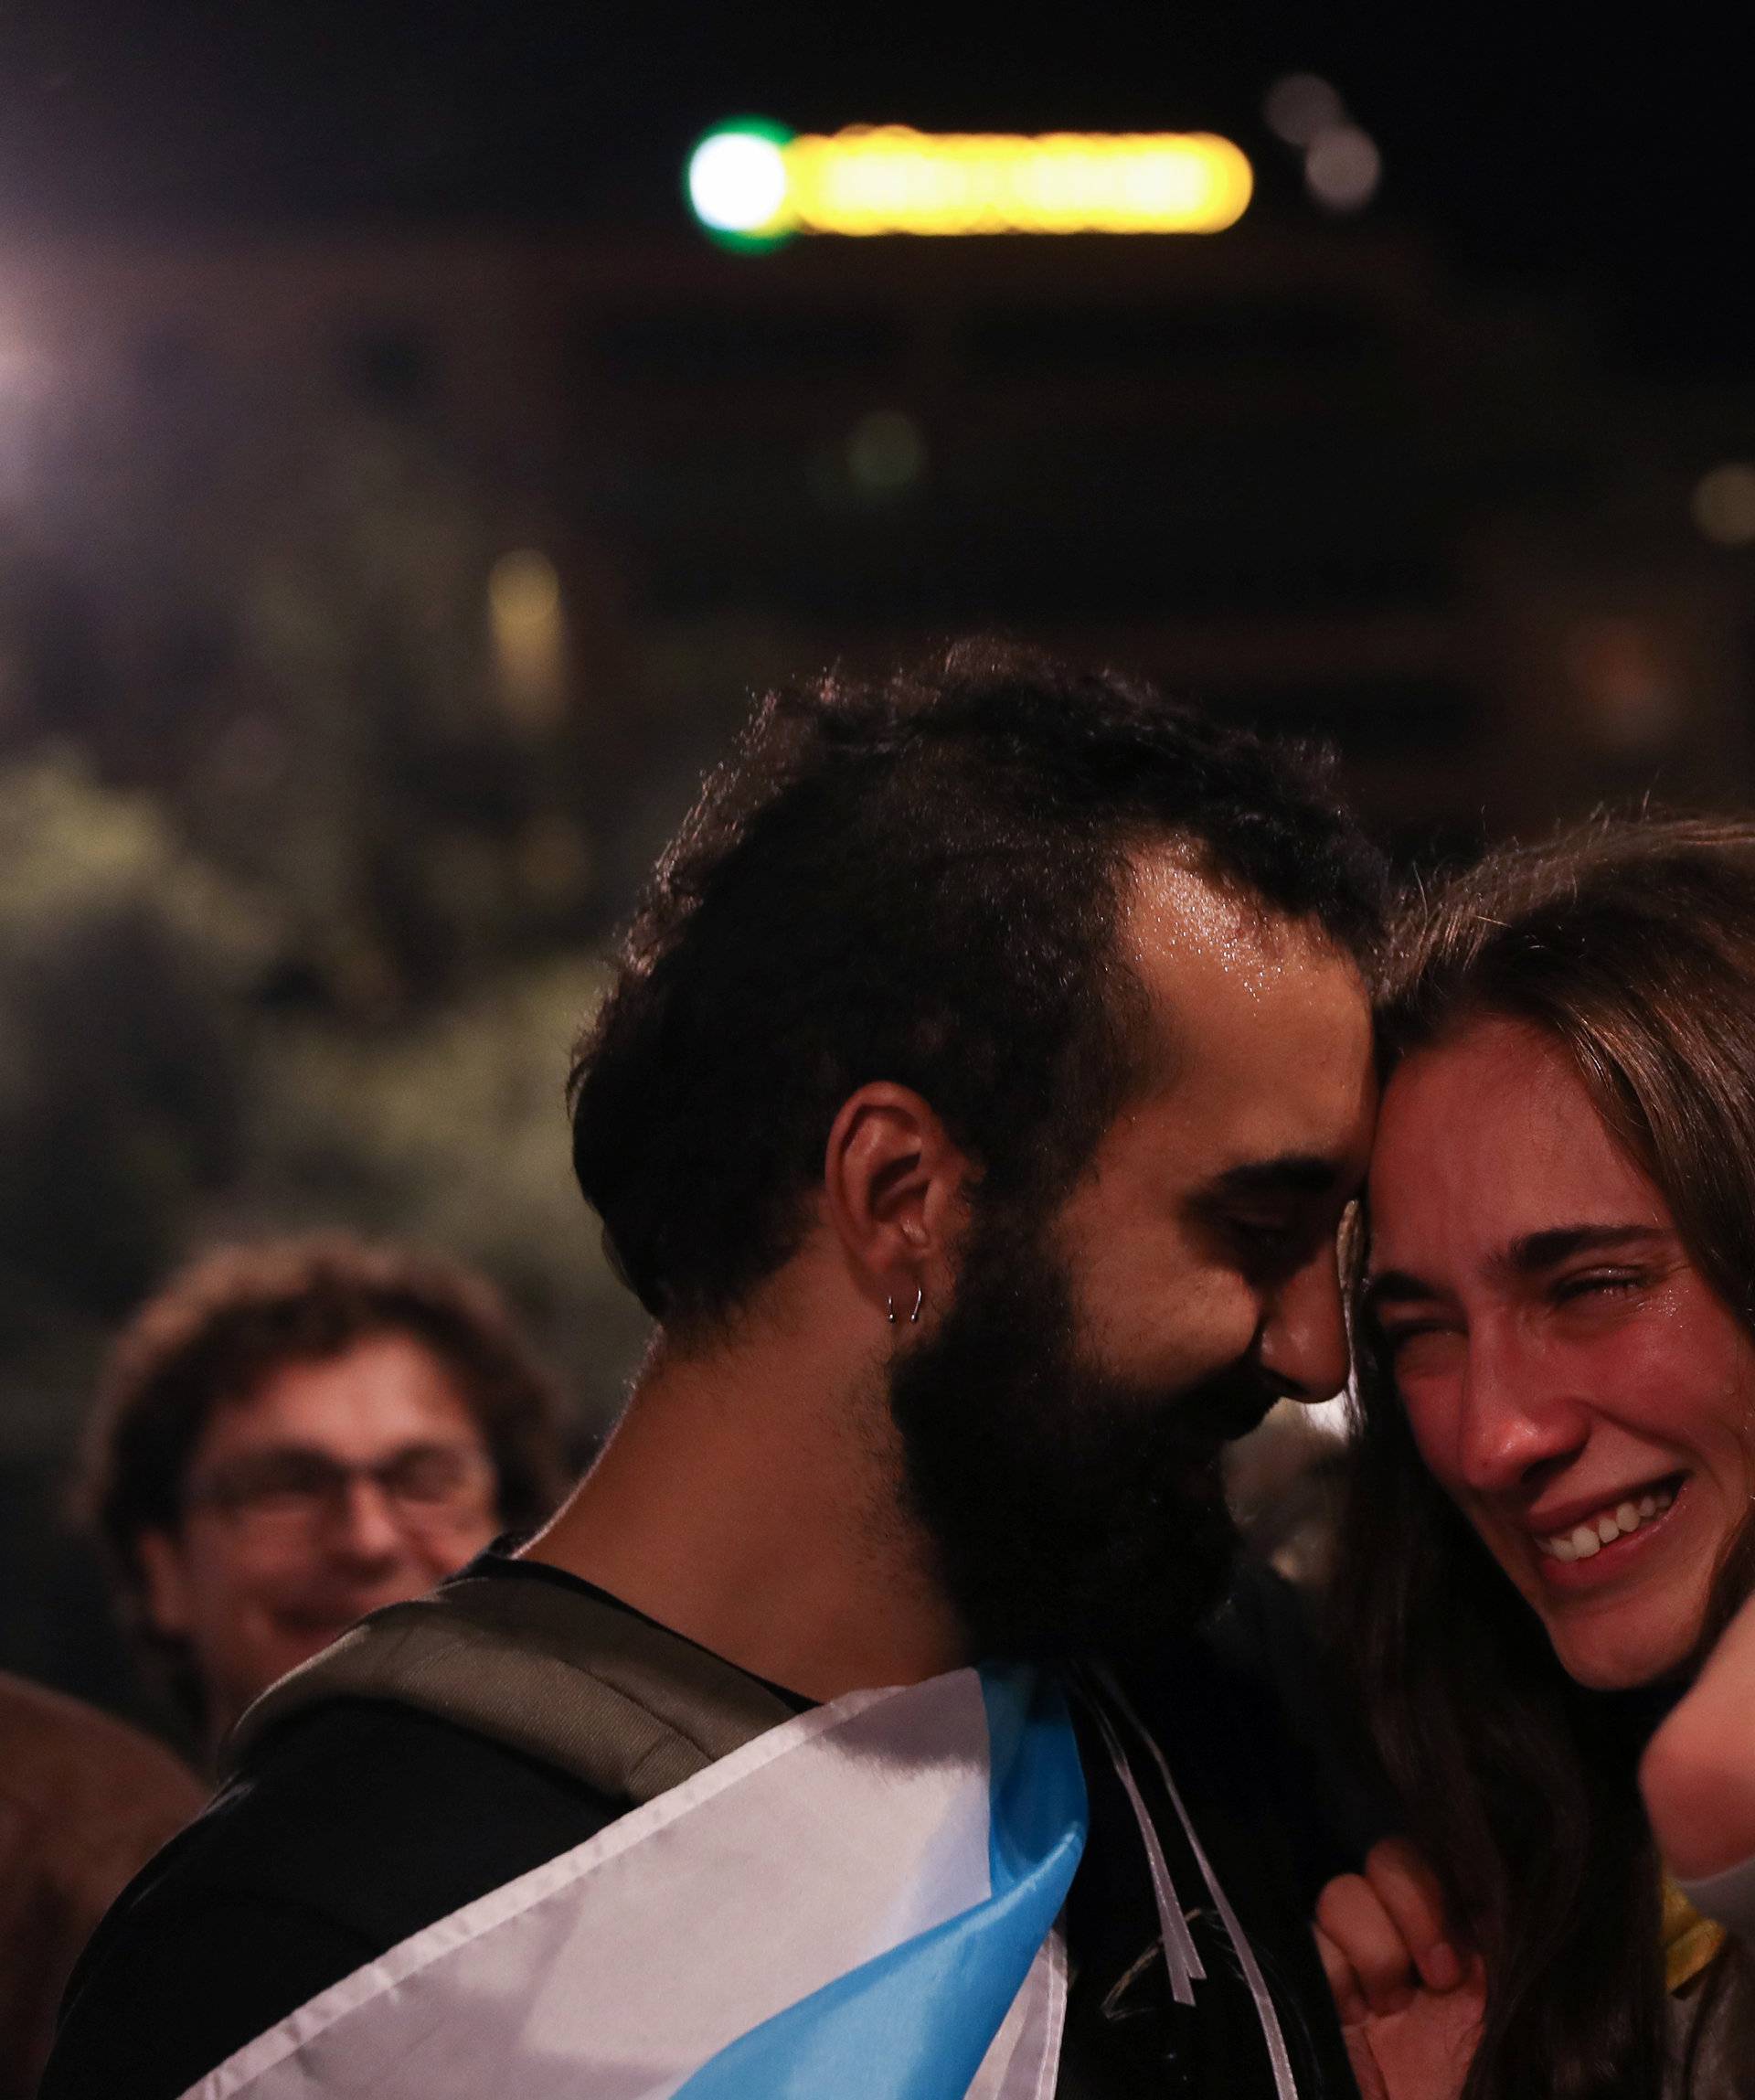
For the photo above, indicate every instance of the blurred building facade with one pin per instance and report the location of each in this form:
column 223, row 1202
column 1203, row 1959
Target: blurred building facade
column 1301, row 476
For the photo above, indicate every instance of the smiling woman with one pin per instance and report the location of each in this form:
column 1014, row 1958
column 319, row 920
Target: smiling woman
column 1550, row 1515
column 1570, row 1377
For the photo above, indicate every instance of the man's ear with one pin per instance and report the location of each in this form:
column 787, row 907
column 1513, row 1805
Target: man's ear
column 166, row 1604
column 894, row 1184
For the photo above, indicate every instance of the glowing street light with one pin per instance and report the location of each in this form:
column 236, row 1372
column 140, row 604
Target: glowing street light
column 737, row 183
column 752, row 184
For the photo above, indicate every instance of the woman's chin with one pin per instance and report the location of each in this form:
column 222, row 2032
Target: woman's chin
column 1622, row 1651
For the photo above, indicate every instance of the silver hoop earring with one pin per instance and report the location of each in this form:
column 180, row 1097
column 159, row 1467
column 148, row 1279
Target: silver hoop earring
column 913, row 1318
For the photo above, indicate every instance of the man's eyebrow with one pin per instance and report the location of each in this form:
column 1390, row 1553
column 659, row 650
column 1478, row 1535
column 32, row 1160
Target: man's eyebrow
column 1291, row 1174
column 292, row 1447
column 1532, row 1255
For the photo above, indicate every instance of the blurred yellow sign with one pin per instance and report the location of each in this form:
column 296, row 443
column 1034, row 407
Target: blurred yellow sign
column 752, row 184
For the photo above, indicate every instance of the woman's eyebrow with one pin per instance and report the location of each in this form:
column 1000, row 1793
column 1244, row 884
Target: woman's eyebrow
column 1531, row 1254
column 1536, row 1252
column 1395, row 1286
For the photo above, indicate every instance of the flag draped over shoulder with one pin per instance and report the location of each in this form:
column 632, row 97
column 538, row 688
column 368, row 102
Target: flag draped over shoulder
column 860, row 1901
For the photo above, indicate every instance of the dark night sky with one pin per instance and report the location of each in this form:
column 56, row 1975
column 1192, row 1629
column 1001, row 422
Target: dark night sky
column 1534, row 143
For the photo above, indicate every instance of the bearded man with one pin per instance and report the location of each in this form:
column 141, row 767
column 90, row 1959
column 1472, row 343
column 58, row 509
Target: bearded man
column 987, row 1070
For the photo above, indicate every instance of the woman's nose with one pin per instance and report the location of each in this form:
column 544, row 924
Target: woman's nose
column 1519, row 1415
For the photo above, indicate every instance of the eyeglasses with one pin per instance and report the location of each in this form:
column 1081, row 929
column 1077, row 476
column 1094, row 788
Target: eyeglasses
column 425, row 1487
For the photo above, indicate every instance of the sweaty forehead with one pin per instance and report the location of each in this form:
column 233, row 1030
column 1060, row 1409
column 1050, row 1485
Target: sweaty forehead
column 1211, row 960
column 1256, row 1020
column 1176, row 921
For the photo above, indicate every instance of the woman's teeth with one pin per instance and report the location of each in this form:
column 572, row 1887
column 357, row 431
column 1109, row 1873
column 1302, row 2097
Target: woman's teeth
column 1584, row 1540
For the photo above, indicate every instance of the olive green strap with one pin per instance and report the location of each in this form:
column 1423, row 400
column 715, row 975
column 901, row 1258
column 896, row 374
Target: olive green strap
column 581, row 1684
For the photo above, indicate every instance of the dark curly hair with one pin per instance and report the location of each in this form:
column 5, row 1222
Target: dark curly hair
column 916, row 880
column 220, row 1327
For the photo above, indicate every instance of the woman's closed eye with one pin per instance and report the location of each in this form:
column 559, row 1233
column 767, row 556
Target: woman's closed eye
column 1416, row 1343
column 1395, row 1334
column 1598, row 1284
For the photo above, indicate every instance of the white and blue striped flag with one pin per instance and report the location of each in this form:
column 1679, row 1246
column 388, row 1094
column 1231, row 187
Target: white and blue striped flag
column 860, row 1903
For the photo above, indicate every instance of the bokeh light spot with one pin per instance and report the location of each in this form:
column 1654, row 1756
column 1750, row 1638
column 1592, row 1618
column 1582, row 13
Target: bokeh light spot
column 738, row 181
column 1301, row 107
column 886, row 451
column 528, row 627
column 1723, row 505
column 1343, row 168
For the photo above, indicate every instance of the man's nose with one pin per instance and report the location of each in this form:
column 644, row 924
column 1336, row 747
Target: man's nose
column 1517, row 1413
column 1303, row 1335
column 364, row 1525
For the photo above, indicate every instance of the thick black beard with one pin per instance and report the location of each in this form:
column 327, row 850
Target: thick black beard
column 1070, row 1513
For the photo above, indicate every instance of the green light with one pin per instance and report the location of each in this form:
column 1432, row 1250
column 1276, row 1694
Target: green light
column 737, row 183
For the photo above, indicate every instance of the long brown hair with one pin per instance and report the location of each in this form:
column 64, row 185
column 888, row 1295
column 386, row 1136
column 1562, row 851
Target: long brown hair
column 1632, row 944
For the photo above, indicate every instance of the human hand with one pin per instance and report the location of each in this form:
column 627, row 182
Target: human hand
column 1699, row 1771
column 1408, row 1992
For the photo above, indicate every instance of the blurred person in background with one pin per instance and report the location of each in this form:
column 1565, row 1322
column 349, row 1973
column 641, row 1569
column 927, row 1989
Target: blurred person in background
column 289, row 1436
column 85, row 1801
column 985, row 1077
column 1551, row 1509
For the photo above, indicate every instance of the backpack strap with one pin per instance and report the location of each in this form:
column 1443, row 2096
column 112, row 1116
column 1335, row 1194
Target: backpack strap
column 583, row 1685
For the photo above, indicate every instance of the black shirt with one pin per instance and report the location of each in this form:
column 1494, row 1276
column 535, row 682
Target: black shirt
column 360, row 1822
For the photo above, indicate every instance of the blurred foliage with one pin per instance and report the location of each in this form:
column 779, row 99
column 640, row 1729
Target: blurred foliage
column 453, row 1131
column 296, row 919
column 152, row 1099
column 272, row 615
column 125, row 967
